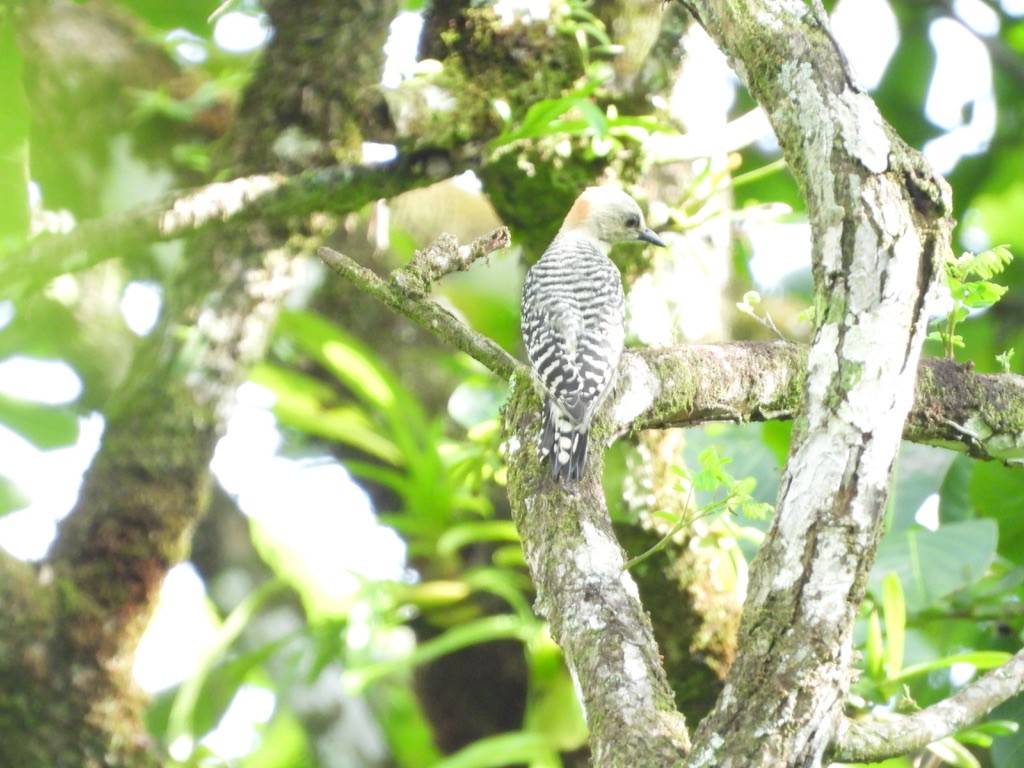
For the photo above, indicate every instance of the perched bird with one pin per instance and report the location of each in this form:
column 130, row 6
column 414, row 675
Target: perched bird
column 573, row 314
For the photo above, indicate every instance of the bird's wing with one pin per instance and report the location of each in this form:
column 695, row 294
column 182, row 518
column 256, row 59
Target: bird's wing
column 573, row 329
column 599, row 352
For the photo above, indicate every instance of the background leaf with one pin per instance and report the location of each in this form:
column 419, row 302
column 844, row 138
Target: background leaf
column 933, row 564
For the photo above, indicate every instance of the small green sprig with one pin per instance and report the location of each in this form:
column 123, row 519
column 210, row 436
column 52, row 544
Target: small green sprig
column 969, row 280
column 748, row 307
column 729, row 495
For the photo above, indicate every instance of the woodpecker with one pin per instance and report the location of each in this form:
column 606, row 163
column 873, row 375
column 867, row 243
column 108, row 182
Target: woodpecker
column 573, row 314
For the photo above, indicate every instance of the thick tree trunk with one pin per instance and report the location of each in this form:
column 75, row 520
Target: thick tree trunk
column 880, row 225
column 146, row 489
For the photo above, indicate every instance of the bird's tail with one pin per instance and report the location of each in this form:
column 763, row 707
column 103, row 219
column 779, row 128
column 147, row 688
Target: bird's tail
column 563, row 444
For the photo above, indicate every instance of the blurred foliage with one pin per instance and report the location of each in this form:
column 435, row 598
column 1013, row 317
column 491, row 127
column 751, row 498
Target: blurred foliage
column 13, row 137
column 944, row 597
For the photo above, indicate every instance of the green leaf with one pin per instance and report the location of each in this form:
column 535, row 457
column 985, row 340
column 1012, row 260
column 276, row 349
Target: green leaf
column 980, row 295
column 201, row 700
column 12, row 498
column 954, row 503
column 291, row 383
column 507, row 582
column 594, row 117
column 283, row 743
column 343, row 355
column 998, row 727
column 983, row 660
column 303, row 402
column 543, row 113
column 502, row 627
column 407, row 732
column 776, row 436
column 993, row 490
column 385, row 476
column 941, row 336
column 555, row 709
column 193, row 15
column 220, row 686
column 436, row 594
column 1008, row 751
column 348, row 426
column 45, row 426
column 953, row 754
column 509, row 557
column 895, row 610
column 874, row 647
column 960, row 314
column 983, row 735
column 458, row 536
column 893, row 762
column 920, row 470
column 647, row 123
column 756, row 510
column 536, row 121
column 14, row 136
column 519, row 747
column 404, row 436
column 1004, row 359
column 990, row 263
column 934, row 564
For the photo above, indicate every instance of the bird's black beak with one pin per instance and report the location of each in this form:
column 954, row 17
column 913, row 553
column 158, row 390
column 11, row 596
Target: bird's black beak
column 649, row 236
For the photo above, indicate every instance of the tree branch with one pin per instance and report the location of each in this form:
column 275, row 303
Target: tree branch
column 981, row 415
column 591, row 603
column 407, row 293
column 181, row 214
column 875, row 740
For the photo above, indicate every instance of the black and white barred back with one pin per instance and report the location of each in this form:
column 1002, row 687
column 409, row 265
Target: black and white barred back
column 573, row 315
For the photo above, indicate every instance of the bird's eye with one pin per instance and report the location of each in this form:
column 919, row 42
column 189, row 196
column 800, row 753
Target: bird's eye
column 632, row 221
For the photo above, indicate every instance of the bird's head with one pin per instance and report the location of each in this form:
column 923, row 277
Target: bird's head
column 610, row 216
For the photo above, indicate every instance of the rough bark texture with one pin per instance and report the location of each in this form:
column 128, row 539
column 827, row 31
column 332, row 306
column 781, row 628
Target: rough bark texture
column 979, row 414
column 864, row 742
column 880, row 227
column 592, row 604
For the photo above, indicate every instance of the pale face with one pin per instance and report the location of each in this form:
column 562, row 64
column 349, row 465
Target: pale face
column 610, row 215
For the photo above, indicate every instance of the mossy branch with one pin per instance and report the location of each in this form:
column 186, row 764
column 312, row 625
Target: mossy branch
column 406, row 293
column 865, row 742
column 981, row 415
column 338, row 189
